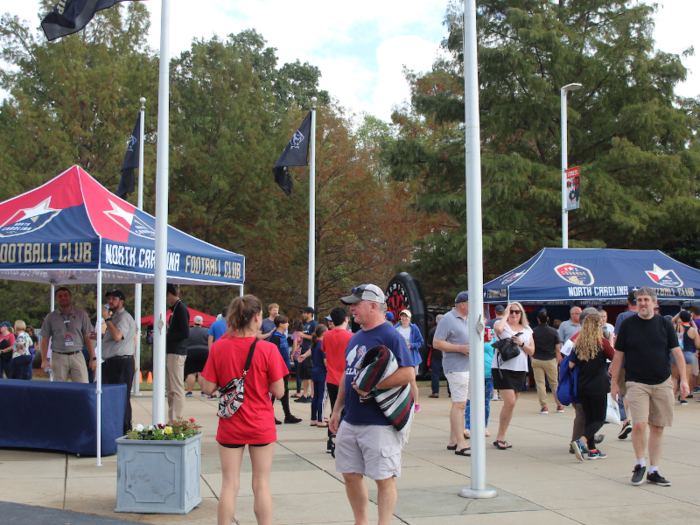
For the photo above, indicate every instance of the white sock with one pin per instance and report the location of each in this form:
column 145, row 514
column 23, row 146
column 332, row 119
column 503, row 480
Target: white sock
column 641, row 462
column 653, row 469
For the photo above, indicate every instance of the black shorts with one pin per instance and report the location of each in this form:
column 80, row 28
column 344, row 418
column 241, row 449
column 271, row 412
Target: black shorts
column 196, row 359
column 228, row 445
column 510, row 381
column 306, row 366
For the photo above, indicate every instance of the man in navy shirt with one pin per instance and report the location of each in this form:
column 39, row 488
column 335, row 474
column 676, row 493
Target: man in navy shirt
column 367, row 444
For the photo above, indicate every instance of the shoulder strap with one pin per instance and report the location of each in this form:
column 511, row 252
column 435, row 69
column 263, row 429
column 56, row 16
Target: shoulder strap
column 250, row 357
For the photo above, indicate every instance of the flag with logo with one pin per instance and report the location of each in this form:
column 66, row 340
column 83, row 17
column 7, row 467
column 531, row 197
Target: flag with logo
column 573, row 188
column 295, row 154
column 70, row 16
column 131, row 161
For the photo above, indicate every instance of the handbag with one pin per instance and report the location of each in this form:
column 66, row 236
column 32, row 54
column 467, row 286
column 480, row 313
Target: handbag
column 507, row 348
column 612, row 414
column 231, row 396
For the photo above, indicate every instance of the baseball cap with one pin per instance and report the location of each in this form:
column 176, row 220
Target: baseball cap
column 407, row 312
column 198, row 319
column 116, row 293
column 632, row 297
column 685, row 316
column 586, row 311
column 6, row 324
column 364, row 292
column 390, row 316
column 308, row 310
column 500, row 308
column 462, row 297
column 329, row 318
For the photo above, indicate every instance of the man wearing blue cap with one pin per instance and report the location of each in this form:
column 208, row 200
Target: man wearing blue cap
column 452, row 338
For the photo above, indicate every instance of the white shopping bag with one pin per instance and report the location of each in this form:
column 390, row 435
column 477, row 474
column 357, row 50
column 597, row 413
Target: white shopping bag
column 612, row 414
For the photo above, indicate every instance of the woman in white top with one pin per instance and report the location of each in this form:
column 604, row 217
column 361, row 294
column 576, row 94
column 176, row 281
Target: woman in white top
column 509, row 376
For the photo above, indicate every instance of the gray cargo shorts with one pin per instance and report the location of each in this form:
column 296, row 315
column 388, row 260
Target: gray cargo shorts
column 371, row 450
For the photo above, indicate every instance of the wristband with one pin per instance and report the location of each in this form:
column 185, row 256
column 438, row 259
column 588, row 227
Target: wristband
column 93, row 359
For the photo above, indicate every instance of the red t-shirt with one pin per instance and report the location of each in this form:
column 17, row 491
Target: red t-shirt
column 334, row 344
column 254, row 422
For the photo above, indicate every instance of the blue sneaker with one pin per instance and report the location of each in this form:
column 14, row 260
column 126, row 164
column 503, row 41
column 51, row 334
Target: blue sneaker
column 578, row 447
column 596, row 454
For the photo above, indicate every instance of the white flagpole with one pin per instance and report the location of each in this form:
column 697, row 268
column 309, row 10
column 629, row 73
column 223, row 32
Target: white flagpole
column 475, row 263
column 138, row 288
column 161, row 271
column 312, row 208
column 98, row 369
column 53, row 306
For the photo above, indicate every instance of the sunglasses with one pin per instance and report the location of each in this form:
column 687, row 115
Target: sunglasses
column 515, row 311
column 360, row 289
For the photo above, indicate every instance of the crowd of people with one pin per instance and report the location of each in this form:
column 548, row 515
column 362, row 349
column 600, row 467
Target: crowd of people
column 645, row 363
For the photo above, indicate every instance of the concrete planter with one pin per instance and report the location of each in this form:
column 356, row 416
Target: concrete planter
column 158, row 476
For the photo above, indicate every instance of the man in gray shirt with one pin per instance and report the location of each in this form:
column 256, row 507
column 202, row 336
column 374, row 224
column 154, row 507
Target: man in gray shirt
column 118, row 348
column 69, row 329
column 570, row 328
column 452, row 338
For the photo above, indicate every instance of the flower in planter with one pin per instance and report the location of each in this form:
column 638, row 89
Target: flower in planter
column 177, row 430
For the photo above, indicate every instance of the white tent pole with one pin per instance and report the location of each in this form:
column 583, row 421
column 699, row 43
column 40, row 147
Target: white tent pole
column 98, row 369
column 312, row 209
column 138, row 288
column 53, row 306
column 475, row 263
column 161, row 270
column 240, row 291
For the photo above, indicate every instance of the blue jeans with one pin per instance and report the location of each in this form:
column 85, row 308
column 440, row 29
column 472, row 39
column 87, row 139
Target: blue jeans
column 6, row 366
column 318, row 402
column 22, row 367
column 488, row 392
column 435, row 371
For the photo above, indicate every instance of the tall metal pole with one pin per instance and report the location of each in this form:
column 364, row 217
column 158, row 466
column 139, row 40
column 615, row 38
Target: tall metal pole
column 138, row 288
column 53, row 306
column 475, row 264
column 565, row 164
column 161, row 270
column 312, row 208
column 98, row 370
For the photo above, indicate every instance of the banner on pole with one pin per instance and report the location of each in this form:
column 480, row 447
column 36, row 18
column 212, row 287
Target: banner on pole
column 573, row 188
column 131, row 161
column 295, row 154
column 70, row 16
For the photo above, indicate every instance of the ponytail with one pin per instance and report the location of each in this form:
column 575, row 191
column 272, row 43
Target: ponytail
column 241, row 312
column 318, row 334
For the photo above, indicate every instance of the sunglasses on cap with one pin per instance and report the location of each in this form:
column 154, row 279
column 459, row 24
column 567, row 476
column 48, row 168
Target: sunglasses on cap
column 361, row 289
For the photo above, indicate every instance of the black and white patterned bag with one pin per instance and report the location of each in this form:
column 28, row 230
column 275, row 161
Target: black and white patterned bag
column 231, row 395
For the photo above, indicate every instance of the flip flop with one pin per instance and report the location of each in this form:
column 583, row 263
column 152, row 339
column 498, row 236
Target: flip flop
column 322, row 425
column 451, row 447
column 464, row 452
column 502, row 445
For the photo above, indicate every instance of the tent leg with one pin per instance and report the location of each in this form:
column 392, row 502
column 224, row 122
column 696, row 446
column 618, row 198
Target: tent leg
column 53, row 305
column 98, row 370
column 138, row 288
column 240, row 291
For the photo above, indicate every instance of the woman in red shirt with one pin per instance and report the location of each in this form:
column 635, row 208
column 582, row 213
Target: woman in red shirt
column 253, row 424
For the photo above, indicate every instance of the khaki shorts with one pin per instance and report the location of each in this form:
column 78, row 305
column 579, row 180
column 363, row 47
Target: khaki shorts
column 621, row 383
column 652, row 404
column 459, row 386
column 371, row 450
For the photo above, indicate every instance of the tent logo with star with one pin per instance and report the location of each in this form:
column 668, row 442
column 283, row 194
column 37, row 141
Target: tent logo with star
column 29, row 220
column 129, row 221
column 666, row 278
column 575, row 274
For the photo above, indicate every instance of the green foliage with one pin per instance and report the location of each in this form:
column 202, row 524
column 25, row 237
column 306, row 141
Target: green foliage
column 177, row 430
column 633, row 138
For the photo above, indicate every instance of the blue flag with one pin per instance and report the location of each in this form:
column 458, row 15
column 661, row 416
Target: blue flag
column 131, row 161
column 70, row 16
column 295, row 154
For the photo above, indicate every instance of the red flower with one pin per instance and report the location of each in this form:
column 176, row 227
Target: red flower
column 191, row 420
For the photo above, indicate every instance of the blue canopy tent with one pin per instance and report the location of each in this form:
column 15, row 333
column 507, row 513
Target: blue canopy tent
column 598, row 276
column 72, row 230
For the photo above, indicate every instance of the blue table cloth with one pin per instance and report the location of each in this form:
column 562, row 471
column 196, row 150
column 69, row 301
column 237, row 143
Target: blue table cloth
column 60, row 416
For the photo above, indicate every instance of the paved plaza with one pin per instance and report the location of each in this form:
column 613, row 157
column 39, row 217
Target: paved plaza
column 538, row 481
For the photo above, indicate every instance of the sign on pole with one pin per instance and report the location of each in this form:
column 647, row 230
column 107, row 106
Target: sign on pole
column 573, row 188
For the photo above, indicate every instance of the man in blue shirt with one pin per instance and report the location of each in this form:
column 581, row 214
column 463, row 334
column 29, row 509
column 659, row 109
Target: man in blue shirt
column 307, row 315
column 367, row 444
column 218, row 328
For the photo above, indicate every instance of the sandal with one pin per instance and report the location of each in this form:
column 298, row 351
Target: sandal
column 502, row 445
column 314, row 424
column 451, row 447
column 464, row 452
column 322, row 425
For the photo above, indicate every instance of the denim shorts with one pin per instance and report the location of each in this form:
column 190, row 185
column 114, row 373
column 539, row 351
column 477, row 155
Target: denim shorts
column 689, row 358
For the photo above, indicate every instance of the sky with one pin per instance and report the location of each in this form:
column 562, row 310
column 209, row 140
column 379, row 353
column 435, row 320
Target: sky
column 361, row 47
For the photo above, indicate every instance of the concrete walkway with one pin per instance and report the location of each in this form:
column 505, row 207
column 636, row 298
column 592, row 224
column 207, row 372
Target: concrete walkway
column 538, row 481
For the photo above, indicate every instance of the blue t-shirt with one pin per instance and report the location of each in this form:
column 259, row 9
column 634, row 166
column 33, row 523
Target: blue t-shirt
column 357, row 413
column 218, row 328
column 309, row 329
column 488, row 359
column 318, row 369
column 267, row 326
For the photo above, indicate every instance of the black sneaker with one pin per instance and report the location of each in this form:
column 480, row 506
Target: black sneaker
column 303, row 399
column 638, row 475
column 626, row 430
column 277, row 422
column 188, row 394
column 290, row 419
column 658, row 479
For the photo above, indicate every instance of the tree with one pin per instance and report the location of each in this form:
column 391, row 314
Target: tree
column 633, row 138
